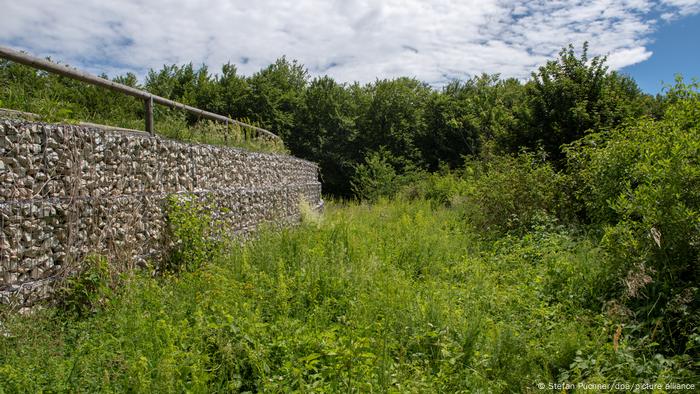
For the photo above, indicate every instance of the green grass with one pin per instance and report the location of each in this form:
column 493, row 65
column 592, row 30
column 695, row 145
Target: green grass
column 58, row 99
column 170, row 124
column 394, row 297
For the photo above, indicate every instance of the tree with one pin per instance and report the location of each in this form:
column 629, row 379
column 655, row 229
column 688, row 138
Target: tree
column 186, row 85
column 570, row 96
column 275, row 94
column 450, row 132
column 234, row 90
column 392, row 117
column 325, row 132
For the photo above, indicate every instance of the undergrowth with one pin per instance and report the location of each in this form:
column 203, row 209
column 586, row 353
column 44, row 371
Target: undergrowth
column 395, row 297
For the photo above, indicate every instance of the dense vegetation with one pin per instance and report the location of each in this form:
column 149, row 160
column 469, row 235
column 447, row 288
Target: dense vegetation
column 405, row 121
column 398, row 296
column 502, row 234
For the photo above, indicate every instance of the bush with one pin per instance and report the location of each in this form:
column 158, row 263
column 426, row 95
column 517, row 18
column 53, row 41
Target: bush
column 374, row 178
column 442, row 188
column 500, row 193
column 88, row 291
column 641, row 184
column 506, row 193
column 377, row 176
column 192, row 234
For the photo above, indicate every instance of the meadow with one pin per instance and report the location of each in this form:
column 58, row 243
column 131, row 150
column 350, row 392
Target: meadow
column 402, row 295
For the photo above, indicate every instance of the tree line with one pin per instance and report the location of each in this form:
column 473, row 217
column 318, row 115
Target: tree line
column 403, row 122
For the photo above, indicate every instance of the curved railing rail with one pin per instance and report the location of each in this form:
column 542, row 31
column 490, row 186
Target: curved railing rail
column 149, row 99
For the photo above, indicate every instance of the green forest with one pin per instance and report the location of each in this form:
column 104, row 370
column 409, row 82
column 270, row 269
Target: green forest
column 491, row 235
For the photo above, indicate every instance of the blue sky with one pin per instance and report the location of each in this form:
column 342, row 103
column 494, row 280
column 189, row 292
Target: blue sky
column 676, row 49
column 360, row 40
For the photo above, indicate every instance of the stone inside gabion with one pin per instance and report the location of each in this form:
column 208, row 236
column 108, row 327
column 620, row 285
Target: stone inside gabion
column 67, row 191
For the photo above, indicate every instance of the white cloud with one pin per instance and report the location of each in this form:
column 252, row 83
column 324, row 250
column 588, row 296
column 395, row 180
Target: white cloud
column 680, row 8
column 350, row 40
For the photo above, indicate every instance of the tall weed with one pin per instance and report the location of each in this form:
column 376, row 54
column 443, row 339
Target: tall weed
column 398, row 296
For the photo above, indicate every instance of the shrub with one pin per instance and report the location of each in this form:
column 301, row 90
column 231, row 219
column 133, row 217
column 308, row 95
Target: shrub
column 374, row 178
column 377, row 176
column 641, row 184
column 506, row 193
column 87, row 291
column 442, row 188
column 191, row 233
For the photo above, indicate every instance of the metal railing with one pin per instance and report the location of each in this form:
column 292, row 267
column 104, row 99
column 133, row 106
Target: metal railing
column 148, row 98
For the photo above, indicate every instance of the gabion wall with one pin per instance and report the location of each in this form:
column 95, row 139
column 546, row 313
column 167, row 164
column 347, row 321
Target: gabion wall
column 67, row 191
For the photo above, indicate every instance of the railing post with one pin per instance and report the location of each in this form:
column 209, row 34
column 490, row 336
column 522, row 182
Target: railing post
column 226, row 134
column 149, row 115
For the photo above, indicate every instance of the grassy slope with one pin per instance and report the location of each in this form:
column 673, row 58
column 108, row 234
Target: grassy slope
column 394, row 297
column 61, row 100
